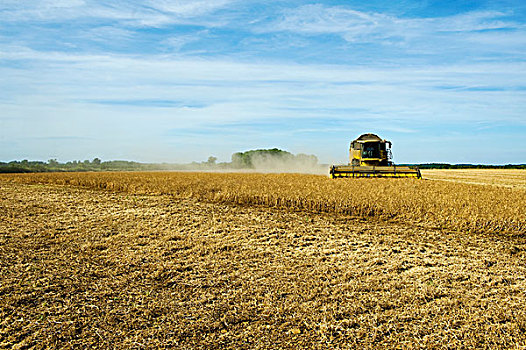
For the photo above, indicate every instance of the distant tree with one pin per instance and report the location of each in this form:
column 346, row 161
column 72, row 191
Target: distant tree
column 211, row 160
column 96, row 161
column 53, row 162
column 241, row 160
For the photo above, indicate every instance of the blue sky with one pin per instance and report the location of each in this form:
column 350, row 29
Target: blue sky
column 178, row 81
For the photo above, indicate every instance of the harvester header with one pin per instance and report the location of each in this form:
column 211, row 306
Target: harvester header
column 370, row 156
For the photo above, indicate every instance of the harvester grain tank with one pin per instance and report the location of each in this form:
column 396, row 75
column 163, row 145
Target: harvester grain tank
column 370, row 156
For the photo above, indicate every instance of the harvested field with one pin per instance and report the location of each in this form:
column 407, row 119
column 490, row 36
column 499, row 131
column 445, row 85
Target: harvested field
column 451, row 205
column 513, row 178
column 151, row 263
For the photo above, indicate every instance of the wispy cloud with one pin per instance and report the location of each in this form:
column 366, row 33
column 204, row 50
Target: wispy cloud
column 251, row 74
column 217, row 91
column 357, row 26
column 188, row 8
column 105, row 33
column 142, row 13
column 177, row 42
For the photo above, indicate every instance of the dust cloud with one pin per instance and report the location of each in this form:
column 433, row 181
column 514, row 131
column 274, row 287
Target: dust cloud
column 301, row 163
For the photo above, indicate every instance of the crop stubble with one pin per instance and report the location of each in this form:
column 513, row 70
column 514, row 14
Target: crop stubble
column 458, row 206
column 512, row 178
column 143, row 269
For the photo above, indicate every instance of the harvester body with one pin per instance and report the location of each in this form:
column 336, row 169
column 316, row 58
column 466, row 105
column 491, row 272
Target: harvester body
column 370, row 156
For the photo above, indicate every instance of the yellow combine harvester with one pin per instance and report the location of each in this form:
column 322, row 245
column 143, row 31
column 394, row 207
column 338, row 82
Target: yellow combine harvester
column 370, row 156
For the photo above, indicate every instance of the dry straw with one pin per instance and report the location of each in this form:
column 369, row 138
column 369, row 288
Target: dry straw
column 456, row 206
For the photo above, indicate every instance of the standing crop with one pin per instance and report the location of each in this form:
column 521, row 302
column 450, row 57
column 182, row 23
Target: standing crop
column 457, row 206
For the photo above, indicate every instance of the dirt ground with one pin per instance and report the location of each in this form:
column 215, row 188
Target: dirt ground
column 84, row 268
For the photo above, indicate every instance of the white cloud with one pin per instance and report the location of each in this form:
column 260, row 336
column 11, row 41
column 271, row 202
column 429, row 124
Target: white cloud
column 177, row 42
column 109, row 101
column 108, row 33
column 356, row 26
column 189, row 8
column 98, row 102
column 140, row 12
column 217, row 91
column 498, row 40
column 318, row 19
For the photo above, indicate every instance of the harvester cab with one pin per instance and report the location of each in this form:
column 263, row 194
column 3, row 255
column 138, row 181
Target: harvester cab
column 370, row 156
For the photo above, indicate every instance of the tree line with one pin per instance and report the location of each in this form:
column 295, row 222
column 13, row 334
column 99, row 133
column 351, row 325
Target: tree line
column 467, row 166
column 239, row 160
column 254, row 159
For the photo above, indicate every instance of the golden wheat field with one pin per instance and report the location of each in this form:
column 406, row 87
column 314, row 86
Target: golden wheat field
column 512, row 178
column 260, row 261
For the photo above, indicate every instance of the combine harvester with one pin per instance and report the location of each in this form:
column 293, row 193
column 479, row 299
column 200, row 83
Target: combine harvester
column 370, row 156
